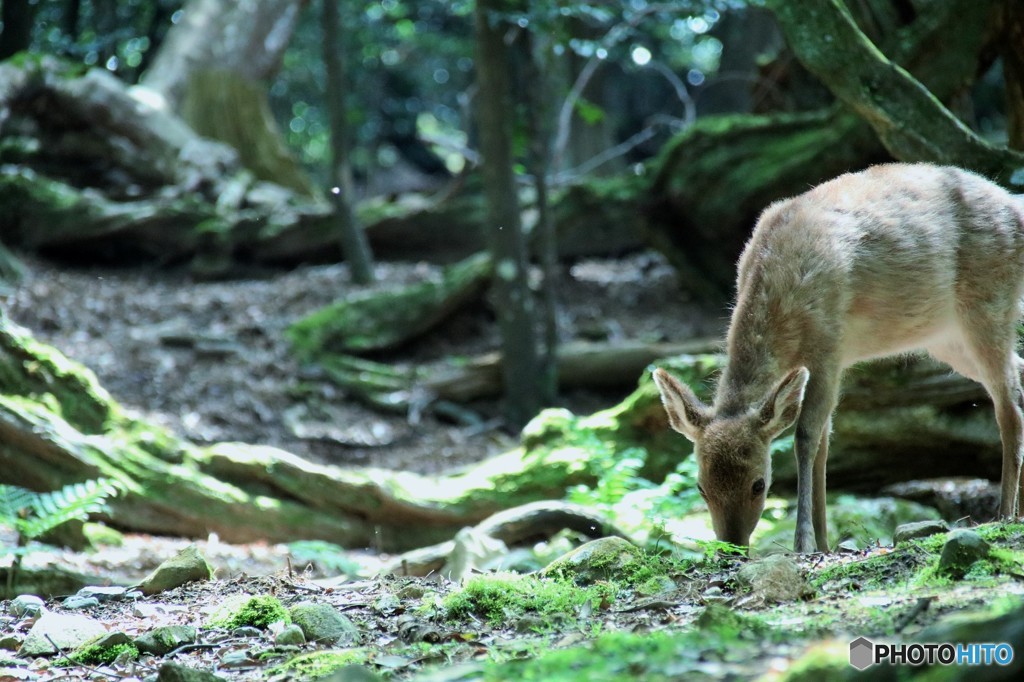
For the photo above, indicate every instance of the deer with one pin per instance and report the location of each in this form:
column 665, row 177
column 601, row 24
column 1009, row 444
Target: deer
column 895, row 259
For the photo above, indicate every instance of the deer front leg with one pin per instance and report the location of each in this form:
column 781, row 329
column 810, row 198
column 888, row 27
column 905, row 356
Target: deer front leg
column 811, row 446
column 805, row 446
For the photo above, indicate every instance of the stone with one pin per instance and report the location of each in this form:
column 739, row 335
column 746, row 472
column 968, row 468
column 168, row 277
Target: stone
column 76, row 603
column 324, row 624
column 162, row 640
column 185, row 567
column 174, row 672
column 774, row 579
column 602, row 559
column 963, row 547
column 290, row 635
column 27, row 606
column 68, row 631
column 918, row 529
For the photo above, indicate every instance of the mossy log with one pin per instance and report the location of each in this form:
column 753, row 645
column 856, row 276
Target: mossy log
column 386, row 319
column 57, row 425
column 901, row 420
column 93, row 169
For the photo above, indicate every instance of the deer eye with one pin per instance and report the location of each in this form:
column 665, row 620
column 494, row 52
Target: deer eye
column 758, row 486
column 700, row 489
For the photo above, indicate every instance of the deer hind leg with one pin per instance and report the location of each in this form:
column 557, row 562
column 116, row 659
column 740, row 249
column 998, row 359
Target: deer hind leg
column 818, row 496
column 989, row 352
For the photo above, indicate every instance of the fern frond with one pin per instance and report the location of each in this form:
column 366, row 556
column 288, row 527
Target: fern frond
column 14, row 501
column 74, row 501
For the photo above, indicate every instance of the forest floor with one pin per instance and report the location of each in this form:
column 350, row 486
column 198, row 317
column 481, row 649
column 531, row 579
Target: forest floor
column 209, row 361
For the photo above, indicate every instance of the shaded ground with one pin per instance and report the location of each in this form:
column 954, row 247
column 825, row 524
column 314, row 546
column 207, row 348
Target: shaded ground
column 209, row 360
column 702, row 622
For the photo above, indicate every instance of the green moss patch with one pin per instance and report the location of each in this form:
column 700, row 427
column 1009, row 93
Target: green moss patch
column 319, row 664
column 504, row 597
column 244, row 610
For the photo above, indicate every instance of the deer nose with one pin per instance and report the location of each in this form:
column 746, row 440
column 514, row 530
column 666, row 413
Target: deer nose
column 734, row 534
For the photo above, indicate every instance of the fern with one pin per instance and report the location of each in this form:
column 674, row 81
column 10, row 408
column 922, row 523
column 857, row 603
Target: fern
column 33, row 514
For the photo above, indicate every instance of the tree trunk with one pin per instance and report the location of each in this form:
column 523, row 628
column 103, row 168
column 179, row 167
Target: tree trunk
column 211, row 69
column 908, row 118
column 350, row 232
column 1011, row 42
column 513, row 301
column 16, row 18
column 713, row 180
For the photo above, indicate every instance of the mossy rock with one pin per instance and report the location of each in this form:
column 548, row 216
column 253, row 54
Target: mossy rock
column 245, row 610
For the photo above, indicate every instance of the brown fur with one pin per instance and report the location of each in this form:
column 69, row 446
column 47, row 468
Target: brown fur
column 894, row 259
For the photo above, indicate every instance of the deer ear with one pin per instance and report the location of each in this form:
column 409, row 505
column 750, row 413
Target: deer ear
column 782, row 406
column 686, row 413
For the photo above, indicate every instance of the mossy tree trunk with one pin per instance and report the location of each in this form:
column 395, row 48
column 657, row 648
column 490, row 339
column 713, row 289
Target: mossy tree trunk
column 211, row 69
column 712, row 181
column 908, row 118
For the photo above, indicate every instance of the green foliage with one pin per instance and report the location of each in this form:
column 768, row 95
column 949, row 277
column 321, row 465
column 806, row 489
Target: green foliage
column 502, row 598
column 33, row 514
column 104, row 655
column 320, row 664
column 622, row 492
column 257, row 612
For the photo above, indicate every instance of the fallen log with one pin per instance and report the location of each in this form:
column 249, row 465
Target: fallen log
column 58, row 426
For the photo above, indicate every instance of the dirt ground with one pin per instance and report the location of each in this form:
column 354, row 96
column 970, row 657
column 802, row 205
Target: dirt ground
column 209, row 360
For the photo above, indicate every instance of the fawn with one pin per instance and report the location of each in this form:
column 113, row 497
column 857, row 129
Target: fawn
column 893, row 259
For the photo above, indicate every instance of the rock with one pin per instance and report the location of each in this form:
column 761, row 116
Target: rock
column 67, row 631
column 27, row 606
column 186, row 566
column 107, row 593
column 246, row 631
column 162, row 640
column 244, row 610
column 10, row 642
column 290, row 635
column 173, row 672
column 324, row 624
column 74, row 602
column 918, row 529
column 774, row 579
column 601, row 559
column 963, row 547
column 473, row 550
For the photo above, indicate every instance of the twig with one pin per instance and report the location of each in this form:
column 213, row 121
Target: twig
column 920, row 607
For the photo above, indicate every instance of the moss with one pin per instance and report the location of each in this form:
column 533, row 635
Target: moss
column 96, row 654
column 243, row 610
column 319, row 664
column 499, row 598
column 32, row 370
column 101, row 534
column 379, row 320
column 826, row 661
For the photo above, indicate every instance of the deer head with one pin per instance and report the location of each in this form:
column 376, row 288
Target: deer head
column 734, row 469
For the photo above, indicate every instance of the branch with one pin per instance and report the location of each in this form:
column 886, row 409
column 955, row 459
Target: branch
column 908, row 119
